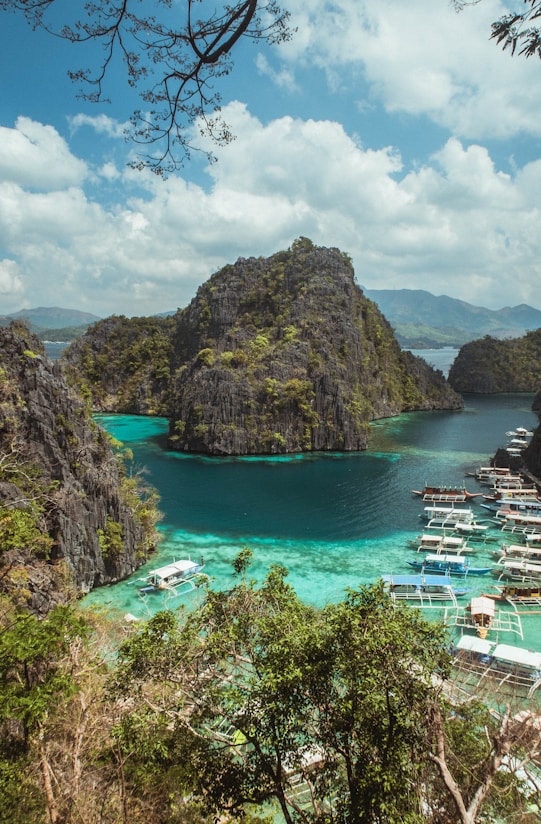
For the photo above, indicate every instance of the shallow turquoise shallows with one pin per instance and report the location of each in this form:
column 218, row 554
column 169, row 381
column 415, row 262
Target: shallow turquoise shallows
column 335, row 521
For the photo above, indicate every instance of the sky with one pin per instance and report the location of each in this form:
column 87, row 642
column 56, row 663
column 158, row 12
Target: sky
column 395, row 131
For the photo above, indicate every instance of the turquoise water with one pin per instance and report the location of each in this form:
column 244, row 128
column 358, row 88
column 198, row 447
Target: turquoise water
column 335, row 521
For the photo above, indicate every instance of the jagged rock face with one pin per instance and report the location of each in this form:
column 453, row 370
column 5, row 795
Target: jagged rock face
column 286, row 354
column 125, row 363
column 46, row 433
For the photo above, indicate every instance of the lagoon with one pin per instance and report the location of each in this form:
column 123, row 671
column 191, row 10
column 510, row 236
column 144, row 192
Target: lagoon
column 334, row 520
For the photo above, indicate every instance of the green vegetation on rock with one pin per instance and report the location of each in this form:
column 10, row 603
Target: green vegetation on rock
column 273, row 355
column 124, row 364
column 489, row 365
column 73, row 514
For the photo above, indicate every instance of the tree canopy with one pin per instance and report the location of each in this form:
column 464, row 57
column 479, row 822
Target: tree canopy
column 173, row 54
column 337, row 714
column 252, row 707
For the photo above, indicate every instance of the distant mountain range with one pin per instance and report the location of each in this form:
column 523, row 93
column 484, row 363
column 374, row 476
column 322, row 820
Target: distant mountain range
column 53, row 323
column 420, row 319
column 423, row 321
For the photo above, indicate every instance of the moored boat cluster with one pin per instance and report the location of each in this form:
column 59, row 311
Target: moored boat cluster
column 503, row 521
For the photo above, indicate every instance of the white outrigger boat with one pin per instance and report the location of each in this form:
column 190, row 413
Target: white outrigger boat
column 176, row 577
column 528, row 552
column 482, row 616
column 434, row 542
column 448, row 513
column 518, row 570
column 492, row 474
column 475, row 531
column 423, row 590
column 499, row 667
column 472, row 529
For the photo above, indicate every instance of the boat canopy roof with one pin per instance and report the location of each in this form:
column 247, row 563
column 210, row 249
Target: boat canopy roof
column 482, row 606
column 447, row 559
column 174, row 569
column 522, row 517
column 444, row 540
column 475, row 644
column 520, row 564
column 454, row 511
column 518, row 655
column 418, row 580
column 519, row 550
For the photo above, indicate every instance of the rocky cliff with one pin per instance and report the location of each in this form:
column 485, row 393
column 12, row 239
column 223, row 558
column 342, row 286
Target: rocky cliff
column 125, row 363
column 286, row 354
column 67, row 518
column 489, row 365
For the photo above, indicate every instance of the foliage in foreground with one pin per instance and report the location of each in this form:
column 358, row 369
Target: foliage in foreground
column 253, row 704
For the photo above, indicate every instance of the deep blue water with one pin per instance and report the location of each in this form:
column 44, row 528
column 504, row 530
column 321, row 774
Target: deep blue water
column 335, row 521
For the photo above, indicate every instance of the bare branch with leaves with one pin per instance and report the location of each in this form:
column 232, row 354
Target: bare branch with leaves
column 173, row 56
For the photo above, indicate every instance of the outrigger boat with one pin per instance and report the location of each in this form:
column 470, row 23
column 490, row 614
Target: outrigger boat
column 499, row 667
column 423, row 590
column 449, row 513
column 434, row 542
column 448, row 565
column 522, row 493
column 527, row 553
column 530, row 532
column 445, row 494
column 473, row 529
column 492, row 474
column 520, row 432
column 482, row 616
column 175, row 577
column 505, row 507
column 515, row 569
column 521, row 597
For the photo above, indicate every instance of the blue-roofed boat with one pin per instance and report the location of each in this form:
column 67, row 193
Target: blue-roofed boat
column 448, row 565
column 423, row 590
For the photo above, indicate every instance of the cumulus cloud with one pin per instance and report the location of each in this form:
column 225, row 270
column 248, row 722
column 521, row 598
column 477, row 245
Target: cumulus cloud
column 35, row 155
column 456, row 224
column 422, row 58
column 282, row 77
column 101, row 124
column 11, row 286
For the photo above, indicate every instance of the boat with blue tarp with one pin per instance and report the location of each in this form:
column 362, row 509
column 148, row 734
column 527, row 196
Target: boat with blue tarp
column 450, row 565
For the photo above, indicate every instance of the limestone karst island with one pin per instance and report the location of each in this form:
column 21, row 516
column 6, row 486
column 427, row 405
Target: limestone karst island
column 205, row 688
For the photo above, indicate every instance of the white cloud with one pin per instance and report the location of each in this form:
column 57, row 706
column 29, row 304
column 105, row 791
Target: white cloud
column 109, row 172
column 101, row 124
column 35, row 155
column 11, row 286
column 422, row 58
column 284, row 77
column 456, row 225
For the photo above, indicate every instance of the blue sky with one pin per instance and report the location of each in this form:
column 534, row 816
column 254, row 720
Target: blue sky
column 397, row 132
